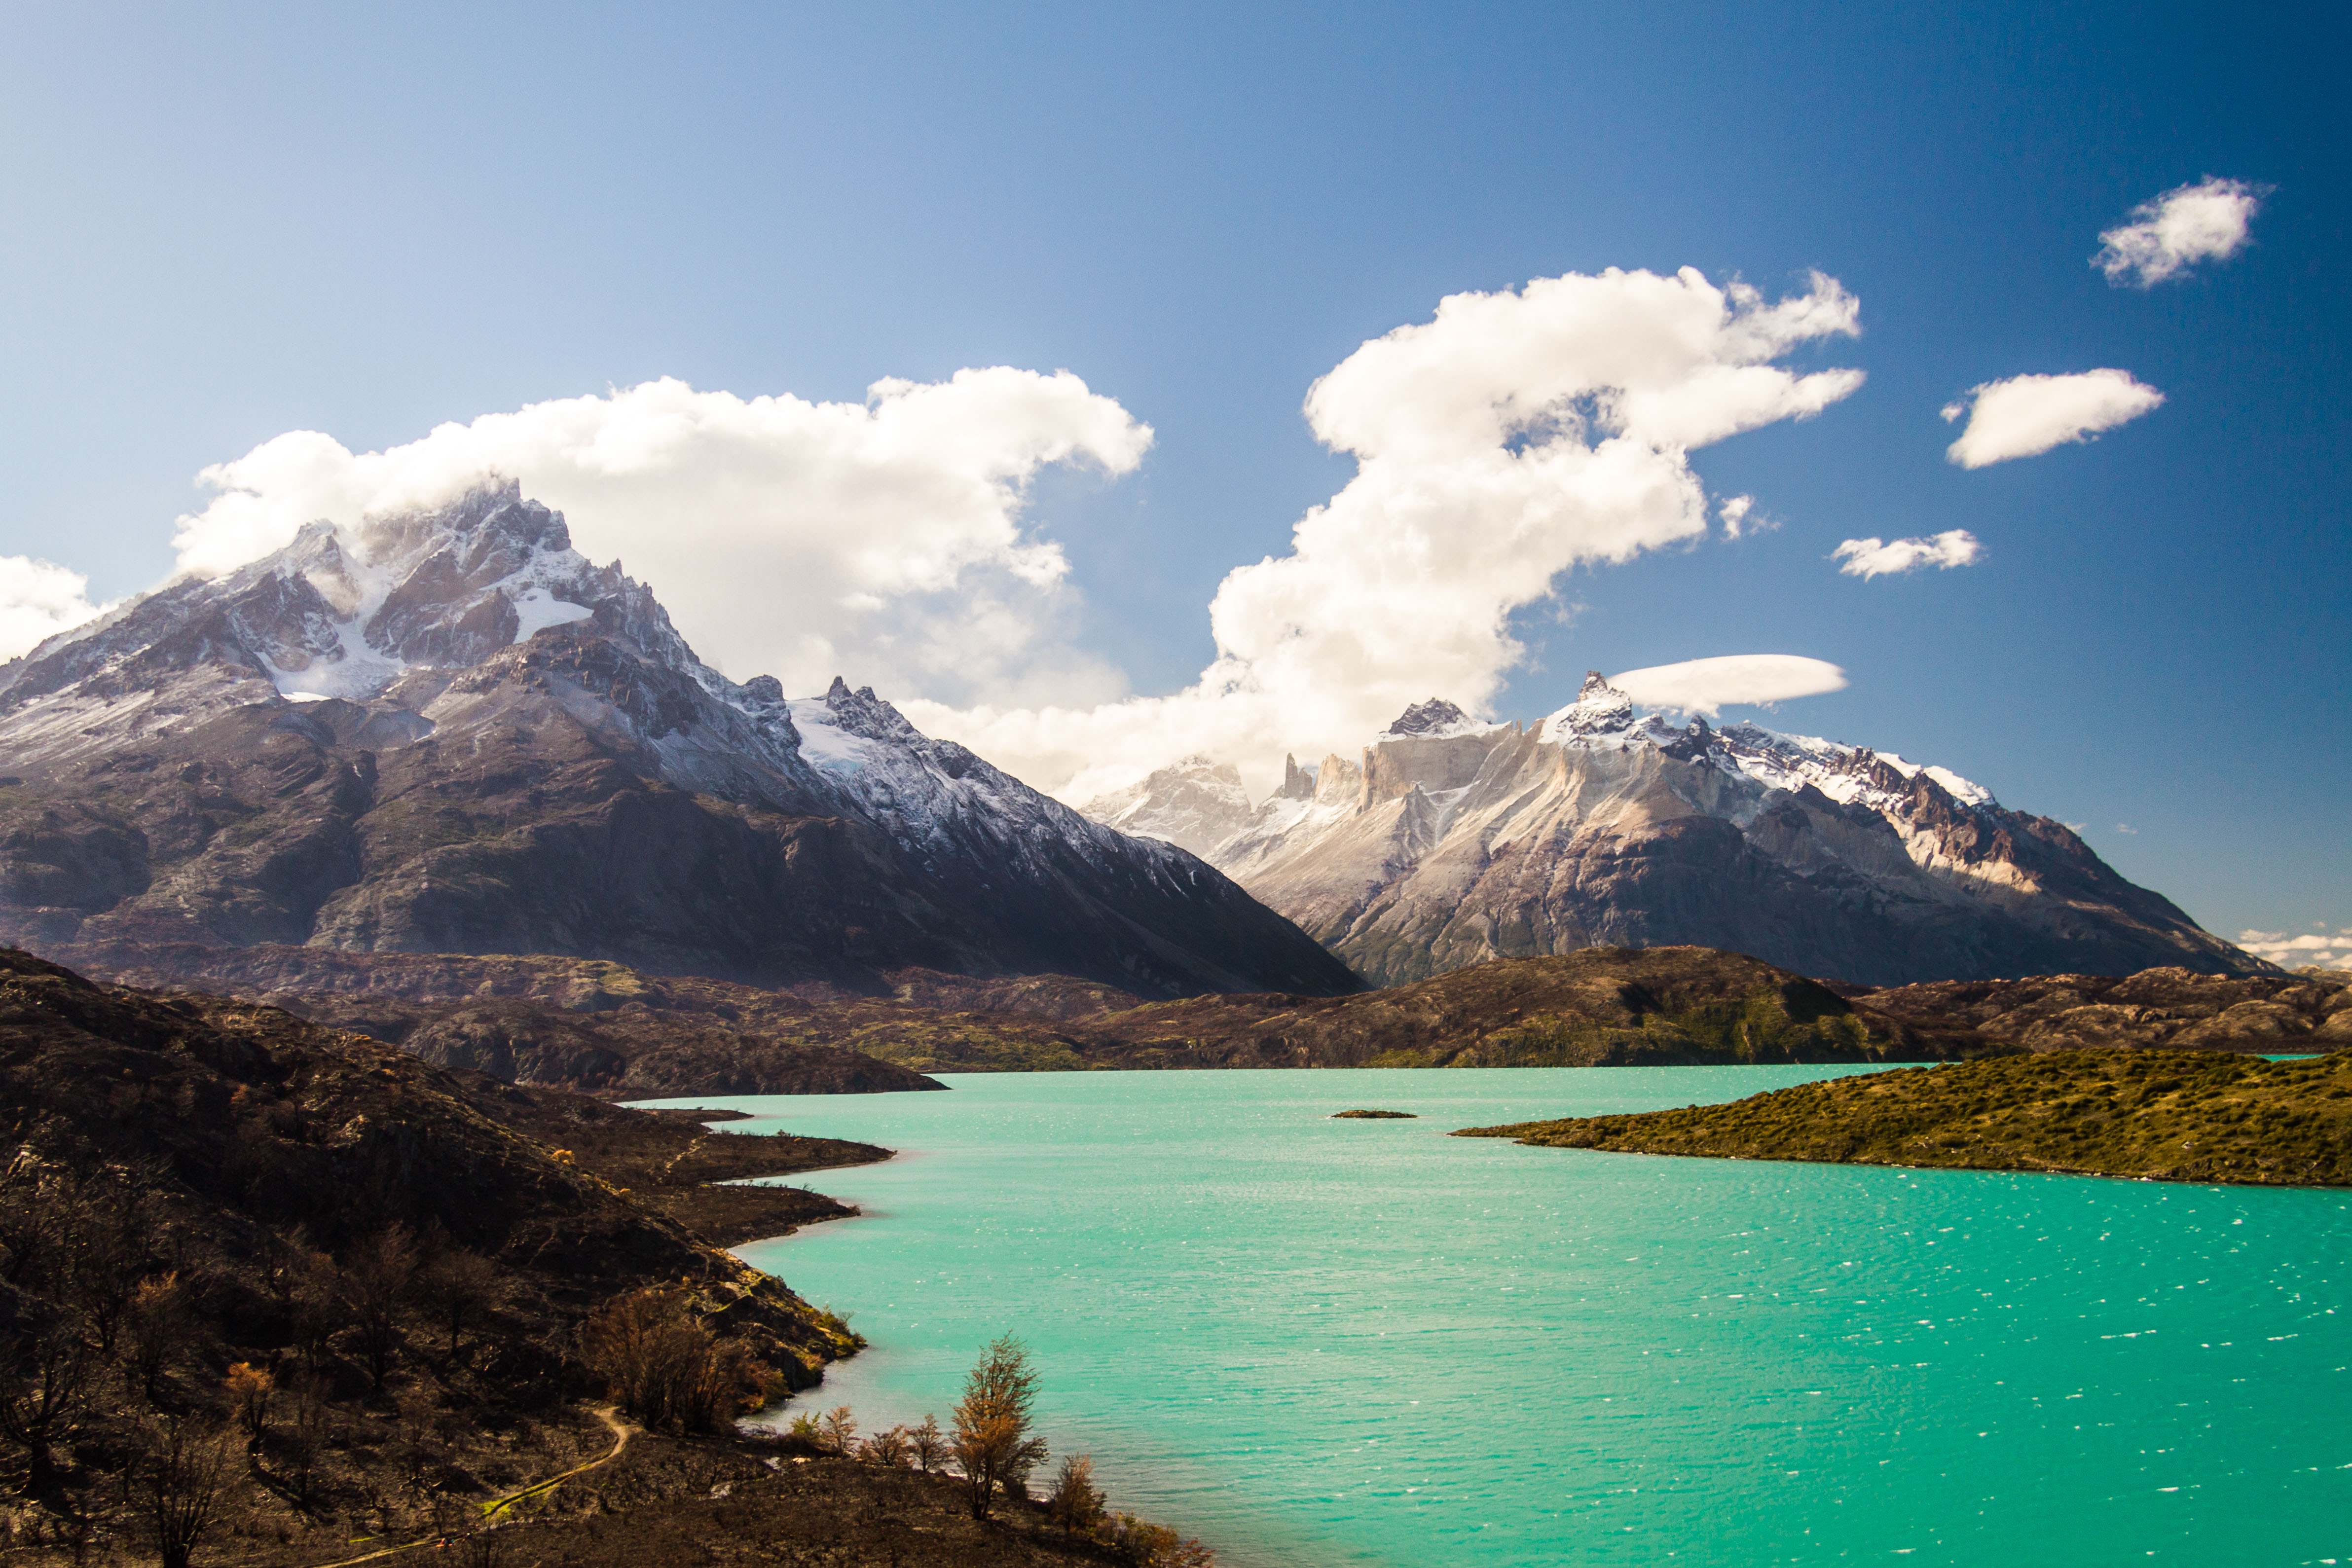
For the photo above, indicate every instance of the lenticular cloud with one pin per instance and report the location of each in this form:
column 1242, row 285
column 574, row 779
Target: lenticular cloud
column 787, row 538
column 1515, row 435
column 1708, row 685
column 2025, row 416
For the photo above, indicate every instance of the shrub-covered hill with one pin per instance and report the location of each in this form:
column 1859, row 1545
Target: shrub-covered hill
column 189, row 1185
column 2172, row 1116
column 606, row 1026
column 1602, row 1007
column 272, row 1295
column 608, row 1029
column 242, row 1124
column 2167, row 1007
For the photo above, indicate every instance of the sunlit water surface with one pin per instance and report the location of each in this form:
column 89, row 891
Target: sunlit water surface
column 1318, row 1341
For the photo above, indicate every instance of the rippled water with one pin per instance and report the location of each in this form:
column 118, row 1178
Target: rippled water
column 1321, row 1342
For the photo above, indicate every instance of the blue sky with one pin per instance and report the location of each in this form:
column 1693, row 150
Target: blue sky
column 230, row 222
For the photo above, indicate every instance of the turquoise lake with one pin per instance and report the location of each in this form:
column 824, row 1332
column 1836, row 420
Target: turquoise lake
column 1322, row 1342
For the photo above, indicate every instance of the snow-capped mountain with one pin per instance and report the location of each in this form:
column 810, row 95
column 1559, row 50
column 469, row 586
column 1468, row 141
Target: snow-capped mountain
column 447, row 731
column 1452, row 841
column 1195, row 804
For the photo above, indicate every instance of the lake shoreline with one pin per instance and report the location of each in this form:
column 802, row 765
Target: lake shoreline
column 1320, row 1341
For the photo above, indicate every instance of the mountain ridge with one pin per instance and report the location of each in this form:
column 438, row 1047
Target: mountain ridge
column 1452, row 840
column 446, row 731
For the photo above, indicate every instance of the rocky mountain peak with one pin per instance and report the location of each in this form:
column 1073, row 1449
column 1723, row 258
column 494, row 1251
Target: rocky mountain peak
column 1194, row 804
column 444, row 730
column 1433, row 717
column 862, row 714
column 1600, row 711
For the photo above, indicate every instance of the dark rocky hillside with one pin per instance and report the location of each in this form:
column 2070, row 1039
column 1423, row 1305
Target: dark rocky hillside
column 329, row 1301
column 590, row 1024
column 1601, row 1007
column 244, row 1125
column 632, row 1053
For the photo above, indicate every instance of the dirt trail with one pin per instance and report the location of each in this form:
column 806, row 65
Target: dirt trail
column 497, row 1506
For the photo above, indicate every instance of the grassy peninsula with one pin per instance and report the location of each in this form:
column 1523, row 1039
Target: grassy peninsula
column 2170, row 1115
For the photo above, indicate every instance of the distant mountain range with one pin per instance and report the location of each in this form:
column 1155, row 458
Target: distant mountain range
column 446, row 731
column 1452, row 841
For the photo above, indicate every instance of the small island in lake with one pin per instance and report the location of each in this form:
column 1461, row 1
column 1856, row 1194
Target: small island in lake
column 2170, row 1115
column 1375, row 1115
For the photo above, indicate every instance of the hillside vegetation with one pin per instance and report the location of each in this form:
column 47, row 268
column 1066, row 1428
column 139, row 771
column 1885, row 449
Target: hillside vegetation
column 2171, row 1115
column 1598, row 1007
column 274, row 1295
column 609, row 1029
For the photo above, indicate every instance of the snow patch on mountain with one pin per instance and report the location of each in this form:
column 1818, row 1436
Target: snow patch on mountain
column 825, row 743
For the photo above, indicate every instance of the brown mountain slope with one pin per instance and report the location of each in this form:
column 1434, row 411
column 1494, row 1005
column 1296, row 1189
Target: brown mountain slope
column 2187, row 1116
column 612, row 1029
column 2170, row 1007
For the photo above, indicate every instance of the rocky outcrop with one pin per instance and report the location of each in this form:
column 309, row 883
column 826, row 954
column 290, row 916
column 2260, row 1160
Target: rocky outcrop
column 1454, row 842
column 447, row 732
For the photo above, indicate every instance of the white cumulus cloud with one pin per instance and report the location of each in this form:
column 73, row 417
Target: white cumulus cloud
column 1512, row 436
column 1878, row 558
column 1515, row 435
column 2026, row 415
column 1706, row 686
column 880, row 540
column 2206, row 221
column 2294, row 952
column 37, row 600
